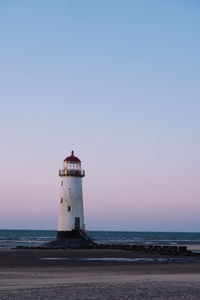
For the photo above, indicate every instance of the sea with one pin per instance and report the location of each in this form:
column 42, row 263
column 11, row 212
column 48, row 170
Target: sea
column 13, row 238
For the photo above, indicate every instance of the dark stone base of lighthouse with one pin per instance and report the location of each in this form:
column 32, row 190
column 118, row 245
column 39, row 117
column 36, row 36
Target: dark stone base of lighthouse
column 70, row 239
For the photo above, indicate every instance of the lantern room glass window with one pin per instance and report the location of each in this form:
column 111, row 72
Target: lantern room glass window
column 73, row 166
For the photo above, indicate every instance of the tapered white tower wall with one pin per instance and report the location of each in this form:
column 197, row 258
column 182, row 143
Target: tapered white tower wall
column 71, row 203
column 71, row 216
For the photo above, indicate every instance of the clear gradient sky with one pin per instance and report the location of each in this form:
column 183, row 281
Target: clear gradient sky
column 118, row 83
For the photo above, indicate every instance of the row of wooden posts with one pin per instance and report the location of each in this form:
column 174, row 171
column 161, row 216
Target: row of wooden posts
column 163, row 249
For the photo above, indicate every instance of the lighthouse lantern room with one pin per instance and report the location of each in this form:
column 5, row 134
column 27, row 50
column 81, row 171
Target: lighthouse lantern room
column 71, row 217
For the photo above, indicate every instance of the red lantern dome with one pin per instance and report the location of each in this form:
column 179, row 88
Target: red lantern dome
column 72, row 158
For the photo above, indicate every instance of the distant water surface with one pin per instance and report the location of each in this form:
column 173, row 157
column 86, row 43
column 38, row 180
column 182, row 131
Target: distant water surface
column 13, row 238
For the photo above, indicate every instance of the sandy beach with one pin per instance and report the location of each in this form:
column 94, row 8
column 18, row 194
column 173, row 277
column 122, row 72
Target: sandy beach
column 96, row 274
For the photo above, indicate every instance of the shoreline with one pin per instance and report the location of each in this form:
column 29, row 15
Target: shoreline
column 24, row 275
column 28, row 257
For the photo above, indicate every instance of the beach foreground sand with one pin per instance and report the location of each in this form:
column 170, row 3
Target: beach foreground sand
column 68, row 274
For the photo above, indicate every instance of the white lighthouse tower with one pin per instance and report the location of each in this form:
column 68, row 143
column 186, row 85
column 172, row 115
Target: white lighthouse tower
column 71, row 230
column 71, row 216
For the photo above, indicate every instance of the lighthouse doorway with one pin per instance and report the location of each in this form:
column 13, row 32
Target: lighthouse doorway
column 77, row 223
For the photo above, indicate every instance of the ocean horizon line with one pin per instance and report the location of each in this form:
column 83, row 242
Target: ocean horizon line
column 100, row 230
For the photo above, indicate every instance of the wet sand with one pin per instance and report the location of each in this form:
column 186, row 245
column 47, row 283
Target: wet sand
column 29, row 274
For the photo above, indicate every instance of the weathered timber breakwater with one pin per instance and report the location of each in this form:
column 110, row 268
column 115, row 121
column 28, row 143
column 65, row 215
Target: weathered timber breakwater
column 165, row 250
column 162, row 249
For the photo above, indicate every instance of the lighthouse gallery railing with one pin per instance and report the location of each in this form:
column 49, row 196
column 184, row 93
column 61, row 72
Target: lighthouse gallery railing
column 67, row 172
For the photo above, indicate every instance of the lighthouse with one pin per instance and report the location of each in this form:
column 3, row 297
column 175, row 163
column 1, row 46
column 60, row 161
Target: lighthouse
column 71, row 216
column 71, row 229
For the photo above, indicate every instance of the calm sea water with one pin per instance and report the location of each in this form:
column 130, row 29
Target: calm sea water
column 13, row 238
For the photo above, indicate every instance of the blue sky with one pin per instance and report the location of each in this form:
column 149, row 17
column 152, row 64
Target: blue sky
column 117, row 82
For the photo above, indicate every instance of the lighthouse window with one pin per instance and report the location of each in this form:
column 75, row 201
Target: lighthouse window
column 61, row 182
column 61, row 200
column 69, row 208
